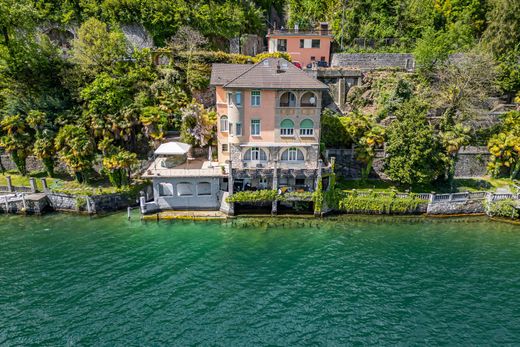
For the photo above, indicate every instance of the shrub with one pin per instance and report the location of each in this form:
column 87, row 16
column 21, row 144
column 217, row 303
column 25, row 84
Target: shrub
column 502, row 208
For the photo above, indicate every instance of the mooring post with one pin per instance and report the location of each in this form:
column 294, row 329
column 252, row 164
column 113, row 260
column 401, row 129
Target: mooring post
column 9, row 183
column 32, row 182
column 142, row 202
column 274, row 207
column 23, row 202
column 128, row 210
column 44, row 184
column 231, row 205
column 88, row 205
column 6, row 204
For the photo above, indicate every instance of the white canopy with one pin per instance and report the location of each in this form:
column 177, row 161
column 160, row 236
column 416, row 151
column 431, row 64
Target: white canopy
column 172, row 148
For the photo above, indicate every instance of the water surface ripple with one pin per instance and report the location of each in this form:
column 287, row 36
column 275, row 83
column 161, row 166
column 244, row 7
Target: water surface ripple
column 68, row 280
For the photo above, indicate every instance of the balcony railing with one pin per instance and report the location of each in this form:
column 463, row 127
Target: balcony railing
column 300, row 32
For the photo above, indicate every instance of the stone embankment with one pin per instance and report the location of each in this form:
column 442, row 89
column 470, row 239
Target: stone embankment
column 15, row 199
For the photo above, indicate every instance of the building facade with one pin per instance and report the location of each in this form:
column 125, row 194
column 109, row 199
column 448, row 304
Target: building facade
column 304, row 47
column 268, row 124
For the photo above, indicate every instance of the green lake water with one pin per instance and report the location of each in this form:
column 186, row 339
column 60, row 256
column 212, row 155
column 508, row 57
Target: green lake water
column 71, row 280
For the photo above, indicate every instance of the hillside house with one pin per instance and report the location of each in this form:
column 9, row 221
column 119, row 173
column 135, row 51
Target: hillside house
column 305, row 47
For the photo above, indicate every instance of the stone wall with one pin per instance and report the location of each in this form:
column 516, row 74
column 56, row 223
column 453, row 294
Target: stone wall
column 372, row 61
column 457, row 207
column 96, row 204
column 35, row 204
column 472, row 162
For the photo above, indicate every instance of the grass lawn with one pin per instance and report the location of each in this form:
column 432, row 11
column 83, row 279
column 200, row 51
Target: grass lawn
column 62, row 184
column 460, row 185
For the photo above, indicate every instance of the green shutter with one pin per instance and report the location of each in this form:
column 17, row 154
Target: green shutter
column 306, row 124
column 287, row 124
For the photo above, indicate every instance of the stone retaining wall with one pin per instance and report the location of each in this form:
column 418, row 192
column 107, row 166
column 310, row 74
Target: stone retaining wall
column 372, row 61
column 90, row 204
column 472, row 162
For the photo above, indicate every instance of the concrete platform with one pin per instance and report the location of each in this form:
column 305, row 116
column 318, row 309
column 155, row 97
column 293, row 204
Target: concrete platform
column 186, row 215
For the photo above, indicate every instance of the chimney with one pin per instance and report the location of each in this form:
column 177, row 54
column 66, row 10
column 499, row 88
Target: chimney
column 296, row 28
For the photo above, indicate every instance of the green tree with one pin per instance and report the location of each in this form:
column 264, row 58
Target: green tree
column 333, row 132
column 43, row 148
column 503, row 31
column 16, row 140
column 98, row 49
column 505, row 147
column 118, row 167
column 76, row 149
column 413, row 151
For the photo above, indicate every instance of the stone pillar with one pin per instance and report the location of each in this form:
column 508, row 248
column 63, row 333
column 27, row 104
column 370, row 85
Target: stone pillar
column 32, row 182
column 318, row 180
column 274, row 208
column 9, row 183
column 318, row 173
column 44, row 184
column 230, row 187
column 341, row 93
column 142, row 202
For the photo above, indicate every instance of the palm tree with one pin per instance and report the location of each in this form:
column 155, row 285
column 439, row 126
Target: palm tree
column 16, row 140
column 76, row 149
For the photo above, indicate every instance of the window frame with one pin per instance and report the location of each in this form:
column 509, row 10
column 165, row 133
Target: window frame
column 238, row 129
column 286, row 131
column 187, row 184
column 225, row 119
column 204, row 183
column 238, row 99
column 292, row 155
column 313, row 43
column 256, row 99
column 306, row 131
column 256, row 123
column 256, row 154
column 224, row 149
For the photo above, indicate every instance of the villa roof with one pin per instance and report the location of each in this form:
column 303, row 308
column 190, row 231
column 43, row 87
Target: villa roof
column 270, row 73
column 223, row 73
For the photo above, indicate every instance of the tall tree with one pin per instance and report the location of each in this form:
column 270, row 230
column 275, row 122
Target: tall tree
column 413, row 151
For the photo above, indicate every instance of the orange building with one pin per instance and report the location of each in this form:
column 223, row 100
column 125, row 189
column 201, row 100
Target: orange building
column 304, row 47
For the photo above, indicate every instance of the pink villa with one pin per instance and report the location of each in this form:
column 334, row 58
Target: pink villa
column 268, row 133
column 269, row 124
column 304, row 47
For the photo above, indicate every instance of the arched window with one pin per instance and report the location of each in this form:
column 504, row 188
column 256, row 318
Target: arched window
column 184, row 189
column 224, row 124
column 308, row 100
column 287, row 127
column 165, row 189
column 292, row 154
column 288, row 99
column 203, row 188
column 307, row 127
column 255, row 154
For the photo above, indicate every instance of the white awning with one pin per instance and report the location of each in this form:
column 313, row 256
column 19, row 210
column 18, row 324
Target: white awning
column 172, row 148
